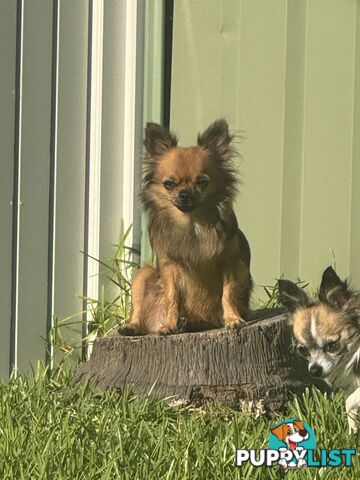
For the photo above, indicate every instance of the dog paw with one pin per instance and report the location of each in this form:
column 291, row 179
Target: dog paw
column 353, row 428
column 353, row 409
column 181, row 325
column 234, row 323
column 164, row 331
column 129, row 330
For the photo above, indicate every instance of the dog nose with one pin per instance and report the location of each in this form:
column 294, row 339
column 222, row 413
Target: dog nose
column 315, row 370
column 184, row 195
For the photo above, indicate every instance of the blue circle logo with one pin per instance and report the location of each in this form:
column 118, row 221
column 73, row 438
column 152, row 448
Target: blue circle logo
column 292, row 434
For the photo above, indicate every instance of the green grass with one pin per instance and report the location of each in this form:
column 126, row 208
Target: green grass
column 107, row 312
column 50, row 430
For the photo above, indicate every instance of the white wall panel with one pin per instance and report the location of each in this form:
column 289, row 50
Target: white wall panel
column 66, row 123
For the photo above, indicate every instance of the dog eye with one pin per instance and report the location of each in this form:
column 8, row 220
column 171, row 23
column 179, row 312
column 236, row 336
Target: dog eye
column 303, row 351
column 169, row 184
column 202, row 181
column 331, row 347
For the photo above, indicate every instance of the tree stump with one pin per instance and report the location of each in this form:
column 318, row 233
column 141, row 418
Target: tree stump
column 253, row 364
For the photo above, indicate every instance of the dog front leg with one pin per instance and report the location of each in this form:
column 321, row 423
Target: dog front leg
column 352, row 410
column 139, row 289
column 171, row 300
column 230, row 299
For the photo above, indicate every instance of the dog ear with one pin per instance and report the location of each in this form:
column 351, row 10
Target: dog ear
column 334, row 291
column 292, row 296
column 158, row 140
column 217, row 139
column 279, row 432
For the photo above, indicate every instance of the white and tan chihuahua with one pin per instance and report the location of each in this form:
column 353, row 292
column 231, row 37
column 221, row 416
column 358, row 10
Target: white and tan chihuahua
column 326, row 331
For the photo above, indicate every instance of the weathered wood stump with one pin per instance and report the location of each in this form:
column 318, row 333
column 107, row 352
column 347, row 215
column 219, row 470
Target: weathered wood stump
column 255, row 363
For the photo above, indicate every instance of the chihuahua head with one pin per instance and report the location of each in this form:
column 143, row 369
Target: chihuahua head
column 186, row 179
column 325, row 328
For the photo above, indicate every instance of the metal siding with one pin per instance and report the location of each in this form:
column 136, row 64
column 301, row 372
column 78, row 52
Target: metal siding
column 93, row 158
column 62, row 167
column 7, row 111
column 35, row 169
column 138, row 125
column 283, row 72
column 70, row 180
column 153, row 61
column 113, row 208
column 112, row 134
column 326, row 197
column 153, row 88
column 195, row 88
column 16, row 197
column 354, row 261
column 52, row 181
column 261, row 102
column 293, row 138
column 229, row 60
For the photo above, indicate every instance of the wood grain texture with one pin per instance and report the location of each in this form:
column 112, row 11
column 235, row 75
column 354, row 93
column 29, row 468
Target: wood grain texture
column 255, row 363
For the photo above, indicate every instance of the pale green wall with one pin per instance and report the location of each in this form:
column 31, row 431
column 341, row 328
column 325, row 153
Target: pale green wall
column 153, row 87
column 286, row 73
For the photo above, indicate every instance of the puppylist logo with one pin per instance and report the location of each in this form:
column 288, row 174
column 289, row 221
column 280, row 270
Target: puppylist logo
column 292, row 445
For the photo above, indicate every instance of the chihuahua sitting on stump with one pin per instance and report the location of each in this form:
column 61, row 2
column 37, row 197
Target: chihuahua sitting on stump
column 202, row 275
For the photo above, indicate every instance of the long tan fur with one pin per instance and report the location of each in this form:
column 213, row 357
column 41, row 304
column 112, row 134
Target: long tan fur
column 202, row 275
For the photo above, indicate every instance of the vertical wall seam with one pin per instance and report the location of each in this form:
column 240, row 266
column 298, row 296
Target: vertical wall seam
column 294, row 89
column 138, row 128
column 93, row 163
column 52, row 181
column 16, row 202
column 239, row 57
column 153, row 89
column 302, row 184
column 87, row 175
column 353, row 137
column 131, row 8
column 281, row 224
column 168, row 41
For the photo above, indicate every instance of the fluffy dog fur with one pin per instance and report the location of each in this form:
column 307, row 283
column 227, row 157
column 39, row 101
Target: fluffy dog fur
column 202, row 275
column 327, row 333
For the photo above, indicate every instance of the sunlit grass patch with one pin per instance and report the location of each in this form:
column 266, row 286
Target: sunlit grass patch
column 52, row 430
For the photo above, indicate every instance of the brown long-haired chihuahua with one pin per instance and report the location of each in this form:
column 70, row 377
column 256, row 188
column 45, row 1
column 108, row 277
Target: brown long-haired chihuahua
column 202, row 275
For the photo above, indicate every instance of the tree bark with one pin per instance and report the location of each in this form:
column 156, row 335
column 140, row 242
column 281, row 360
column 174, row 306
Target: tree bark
column 255, row 364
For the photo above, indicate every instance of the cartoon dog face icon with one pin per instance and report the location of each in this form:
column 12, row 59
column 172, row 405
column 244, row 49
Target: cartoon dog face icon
column 291, row 433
